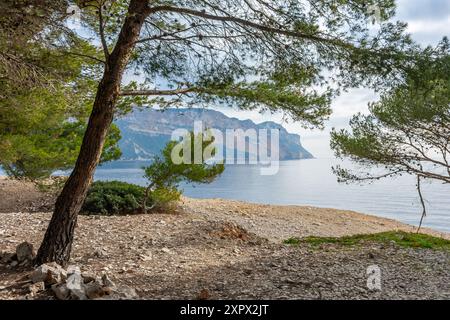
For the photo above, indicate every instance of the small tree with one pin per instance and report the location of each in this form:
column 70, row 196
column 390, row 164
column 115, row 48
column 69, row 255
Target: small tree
column 407, row 131
column 165, row 175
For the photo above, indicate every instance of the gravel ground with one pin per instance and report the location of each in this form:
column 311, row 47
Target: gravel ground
column 218, row 249
column 21, row 196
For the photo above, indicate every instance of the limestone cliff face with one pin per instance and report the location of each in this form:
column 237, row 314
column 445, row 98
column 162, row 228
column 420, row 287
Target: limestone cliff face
column 145, row 132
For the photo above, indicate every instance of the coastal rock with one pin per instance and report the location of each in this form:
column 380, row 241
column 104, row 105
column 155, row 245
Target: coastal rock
column 71, row 284
column 61, row 291
column 49, row 273
column 35, row 288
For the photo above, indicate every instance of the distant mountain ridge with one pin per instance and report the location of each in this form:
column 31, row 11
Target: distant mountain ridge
column 145, row 132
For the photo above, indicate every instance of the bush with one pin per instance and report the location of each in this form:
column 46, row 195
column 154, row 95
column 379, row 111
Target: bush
column 114, row 198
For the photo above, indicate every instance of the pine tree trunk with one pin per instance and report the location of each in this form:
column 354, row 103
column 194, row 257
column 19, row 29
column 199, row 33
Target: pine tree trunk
column 57, row 243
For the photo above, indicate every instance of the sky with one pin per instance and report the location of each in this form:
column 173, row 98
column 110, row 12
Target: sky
column 428, row 22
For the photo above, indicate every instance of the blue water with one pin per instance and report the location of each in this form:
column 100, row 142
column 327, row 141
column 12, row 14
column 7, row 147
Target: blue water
column 311, row 182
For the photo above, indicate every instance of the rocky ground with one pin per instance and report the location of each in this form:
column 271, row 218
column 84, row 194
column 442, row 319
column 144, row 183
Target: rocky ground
column 217, row 249
column 20, row 196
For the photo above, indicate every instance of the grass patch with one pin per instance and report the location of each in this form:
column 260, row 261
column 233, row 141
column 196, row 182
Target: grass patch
column 401, row 238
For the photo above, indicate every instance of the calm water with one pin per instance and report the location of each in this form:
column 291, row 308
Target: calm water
column 311, row 182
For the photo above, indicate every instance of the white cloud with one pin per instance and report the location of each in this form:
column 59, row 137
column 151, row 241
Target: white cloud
column 431, row 10
column 428, row 32
column 314, row 140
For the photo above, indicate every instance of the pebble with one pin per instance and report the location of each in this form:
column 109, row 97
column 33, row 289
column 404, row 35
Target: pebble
column 166, row 250
column 231, row 268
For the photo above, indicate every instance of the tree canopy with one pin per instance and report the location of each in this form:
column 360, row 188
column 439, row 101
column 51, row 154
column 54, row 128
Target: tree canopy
column 46, row 92
column 407, row 131
column 271, row 55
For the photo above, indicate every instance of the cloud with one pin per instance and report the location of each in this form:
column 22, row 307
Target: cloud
column 428, row 20
column 433, row 10
column 353, row 101
column 429, row 32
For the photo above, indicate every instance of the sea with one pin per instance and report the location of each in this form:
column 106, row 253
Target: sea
column 311, row 182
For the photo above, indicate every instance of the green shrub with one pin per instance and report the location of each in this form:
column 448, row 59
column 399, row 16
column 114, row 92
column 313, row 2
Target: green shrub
column 114, row 198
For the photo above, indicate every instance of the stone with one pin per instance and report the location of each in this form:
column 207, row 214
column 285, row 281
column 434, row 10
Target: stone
column 73, row 269
column 125, row 292
column 35, row 288
column 108, row 291
column 107, row 282
column 61, row 291
column 166, row 250
column 14, row 263
column 88, row 277
column 147, row 257
column 25, row 252
column 75, row 285
column 71, row 287
column 94, row 290
column 121, row 292
column 100, row 253
column 25, row 263
column 50, row 273
column 204, row 295
column 78, row 294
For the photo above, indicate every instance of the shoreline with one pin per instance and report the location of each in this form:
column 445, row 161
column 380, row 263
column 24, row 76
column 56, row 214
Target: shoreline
column 297, row 220
column 289, row 220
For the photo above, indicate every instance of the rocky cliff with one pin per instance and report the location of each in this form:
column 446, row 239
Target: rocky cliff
column 145, row 132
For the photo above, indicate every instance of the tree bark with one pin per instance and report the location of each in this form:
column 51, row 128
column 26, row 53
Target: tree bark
column 57, row 243
column 146, row 197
